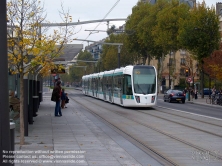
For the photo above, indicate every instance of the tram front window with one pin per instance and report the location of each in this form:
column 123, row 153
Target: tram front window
column 144, row 80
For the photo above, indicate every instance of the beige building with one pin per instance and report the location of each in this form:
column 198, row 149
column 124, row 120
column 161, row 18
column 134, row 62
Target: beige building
column 175, row 67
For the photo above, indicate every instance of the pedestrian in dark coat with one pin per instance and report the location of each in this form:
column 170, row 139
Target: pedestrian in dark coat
column 56, row 95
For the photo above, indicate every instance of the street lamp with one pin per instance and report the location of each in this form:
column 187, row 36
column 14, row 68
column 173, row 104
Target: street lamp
column 170, row 63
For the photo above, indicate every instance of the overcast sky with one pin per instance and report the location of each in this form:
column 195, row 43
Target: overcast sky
column 85, row 10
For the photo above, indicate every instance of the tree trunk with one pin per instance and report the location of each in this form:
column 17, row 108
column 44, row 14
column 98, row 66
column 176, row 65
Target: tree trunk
column 22, row 139
column 149, row 58
column 202, row 80
column 159, row 72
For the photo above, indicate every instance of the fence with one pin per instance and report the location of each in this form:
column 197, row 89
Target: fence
column 215, row 99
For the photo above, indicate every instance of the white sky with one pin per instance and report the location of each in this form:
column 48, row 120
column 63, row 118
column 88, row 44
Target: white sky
column 86, row 10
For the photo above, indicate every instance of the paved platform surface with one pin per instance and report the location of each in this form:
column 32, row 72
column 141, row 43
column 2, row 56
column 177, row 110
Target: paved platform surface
column 76, row 138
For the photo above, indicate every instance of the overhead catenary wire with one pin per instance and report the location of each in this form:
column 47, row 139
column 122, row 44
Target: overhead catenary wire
column 103, row 18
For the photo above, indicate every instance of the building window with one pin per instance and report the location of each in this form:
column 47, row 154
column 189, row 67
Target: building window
column 182, row 61
column 182, row 72
column 182, row 52
column 170, row 61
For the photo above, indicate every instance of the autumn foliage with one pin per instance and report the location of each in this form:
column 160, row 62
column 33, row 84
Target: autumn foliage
column 213, row 64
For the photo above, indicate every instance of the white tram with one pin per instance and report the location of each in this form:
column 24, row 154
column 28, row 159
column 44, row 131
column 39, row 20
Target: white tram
column 130, row 86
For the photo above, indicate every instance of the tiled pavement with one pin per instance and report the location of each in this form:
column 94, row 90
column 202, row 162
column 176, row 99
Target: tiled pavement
column 74, row 139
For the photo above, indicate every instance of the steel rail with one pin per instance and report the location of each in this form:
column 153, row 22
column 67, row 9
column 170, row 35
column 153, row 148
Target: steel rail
column 212, row 153
column 159, row 155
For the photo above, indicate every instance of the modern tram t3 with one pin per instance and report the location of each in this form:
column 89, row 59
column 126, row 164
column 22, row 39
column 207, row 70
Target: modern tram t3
column 130, row 86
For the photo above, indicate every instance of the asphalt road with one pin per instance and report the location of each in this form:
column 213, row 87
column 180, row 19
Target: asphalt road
column 205, row 110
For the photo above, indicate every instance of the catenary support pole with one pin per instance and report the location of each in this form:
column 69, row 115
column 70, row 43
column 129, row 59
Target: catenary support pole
column 119, row 49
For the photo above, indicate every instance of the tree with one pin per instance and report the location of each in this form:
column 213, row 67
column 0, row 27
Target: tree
column 213, row 65
column 76, row 73
column 87, row 57
column 111, row 30
column 200, row 34
column 109, row 57
column 146, row 29
column 30, row 50
column 134, row 42
column 167, row 28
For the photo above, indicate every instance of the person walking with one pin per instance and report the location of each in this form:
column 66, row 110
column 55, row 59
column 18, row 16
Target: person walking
column 186, row 94
column 195, row 93
column 56, row 96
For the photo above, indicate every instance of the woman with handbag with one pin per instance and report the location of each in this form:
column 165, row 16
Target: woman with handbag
column 56, row 97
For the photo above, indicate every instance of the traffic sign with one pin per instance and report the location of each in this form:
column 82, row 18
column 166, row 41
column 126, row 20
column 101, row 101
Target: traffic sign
column 189, row 79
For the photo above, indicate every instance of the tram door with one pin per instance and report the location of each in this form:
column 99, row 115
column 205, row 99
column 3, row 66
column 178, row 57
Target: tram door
column 96, row 87
column 127, row 86
column 93, row 86
column 110, row 88
column 87, row 87
column 120, row 82
column 104, row 88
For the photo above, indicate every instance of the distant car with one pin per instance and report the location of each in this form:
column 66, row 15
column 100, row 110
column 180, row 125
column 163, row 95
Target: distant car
column 174, row 95
column 207, row 91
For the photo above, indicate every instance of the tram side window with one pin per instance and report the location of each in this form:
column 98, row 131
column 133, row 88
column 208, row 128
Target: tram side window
column 120, row 82
column 127, row 89
column 104, row 84
column 96, row 84
column 90, row 83
column 110, row 83
column 115, row 83
column 84, row 84
column 99, row 84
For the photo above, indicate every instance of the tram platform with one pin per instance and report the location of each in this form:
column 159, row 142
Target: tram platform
column 75, row 138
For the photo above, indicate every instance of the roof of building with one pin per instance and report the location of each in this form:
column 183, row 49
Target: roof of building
column 70, row 51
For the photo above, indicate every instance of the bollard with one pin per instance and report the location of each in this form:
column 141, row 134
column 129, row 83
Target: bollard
column 40, row 96
column 12, row 135
column 35, row 105
column 12, row 140
column 30, row 111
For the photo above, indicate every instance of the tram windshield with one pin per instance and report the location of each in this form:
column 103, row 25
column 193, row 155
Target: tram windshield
column 144, row 79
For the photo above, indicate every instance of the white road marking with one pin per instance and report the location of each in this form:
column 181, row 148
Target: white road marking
column 190, row 113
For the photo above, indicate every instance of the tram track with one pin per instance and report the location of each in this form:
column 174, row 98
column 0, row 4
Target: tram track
column 212, row 153
column 141, row 145
column 173, row 121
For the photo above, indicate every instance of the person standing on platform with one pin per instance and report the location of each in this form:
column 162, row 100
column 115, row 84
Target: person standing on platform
column 56, row 95
column 67, row 100
column 63, row 98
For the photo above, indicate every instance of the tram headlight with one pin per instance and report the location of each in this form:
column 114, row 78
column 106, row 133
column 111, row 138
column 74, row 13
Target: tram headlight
column 152, row 99
column 137, row 99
